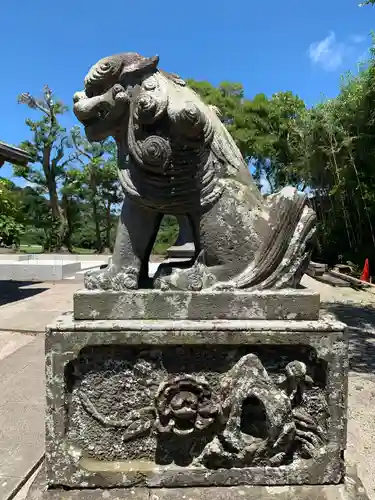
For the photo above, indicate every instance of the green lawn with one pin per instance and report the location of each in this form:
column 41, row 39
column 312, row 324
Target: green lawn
column 39, row 249
column 83, row 250
column 31, row 248
column 159, row 249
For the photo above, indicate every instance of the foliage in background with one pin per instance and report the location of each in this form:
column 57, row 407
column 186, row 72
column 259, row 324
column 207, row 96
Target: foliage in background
column 47, row 148
column 11, row 227
column 96, row 183
column 328, row 151
column 75, row 190
column 167, row 235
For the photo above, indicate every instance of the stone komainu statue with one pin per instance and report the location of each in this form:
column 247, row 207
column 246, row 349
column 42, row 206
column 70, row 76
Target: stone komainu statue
column 176, row 157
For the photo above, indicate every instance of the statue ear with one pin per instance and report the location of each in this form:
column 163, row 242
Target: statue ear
column 140, row 66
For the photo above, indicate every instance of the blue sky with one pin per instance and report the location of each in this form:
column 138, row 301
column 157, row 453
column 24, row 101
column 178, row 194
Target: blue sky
column 269, row 46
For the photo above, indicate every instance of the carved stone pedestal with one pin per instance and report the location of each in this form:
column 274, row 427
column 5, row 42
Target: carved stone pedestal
column 221, row 408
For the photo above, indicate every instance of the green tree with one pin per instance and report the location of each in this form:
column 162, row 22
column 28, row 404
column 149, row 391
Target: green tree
column 36, row 215
column 112, row 195
column 11, row 227
column 268, row 132
column 279, row 154
column 97, row 183
column 48, row 148
column 327, row 150
column 340, row 166
column 71, row 203
column 167, row 234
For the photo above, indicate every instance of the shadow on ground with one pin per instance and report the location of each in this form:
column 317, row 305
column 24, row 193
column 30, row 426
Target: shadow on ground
column 13, row 291
column 361, row 323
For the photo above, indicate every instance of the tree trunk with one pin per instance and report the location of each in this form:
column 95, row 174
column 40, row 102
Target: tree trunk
column 58, row 220
column 69, row 223
column 99, row 246
column 108, row 226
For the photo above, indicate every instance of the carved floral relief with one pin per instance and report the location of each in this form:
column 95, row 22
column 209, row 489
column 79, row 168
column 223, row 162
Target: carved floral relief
column 246, row 418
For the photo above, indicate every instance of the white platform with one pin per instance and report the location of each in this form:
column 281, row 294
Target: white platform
column 14, row 257
column 57, row 267
column 30, row 270
column 69, row 257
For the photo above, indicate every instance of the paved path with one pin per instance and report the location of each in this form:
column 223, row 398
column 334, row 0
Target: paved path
column 28, row 308
column 40, row 304
column 21, row 407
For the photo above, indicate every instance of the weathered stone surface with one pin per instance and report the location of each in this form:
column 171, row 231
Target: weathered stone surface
column 351, row 489
column 176, row 157
column 195, row 403
column 154, row 304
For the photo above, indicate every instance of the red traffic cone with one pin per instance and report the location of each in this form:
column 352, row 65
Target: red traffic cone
column 365, row 276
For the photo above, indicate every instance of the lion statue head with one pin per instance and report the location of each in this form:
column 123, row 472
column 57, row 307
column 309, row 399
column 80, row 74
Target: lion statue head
column 173, row 148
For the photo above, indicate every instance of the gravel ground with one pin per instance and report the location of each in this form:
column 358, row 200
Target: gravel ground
column 356, row 309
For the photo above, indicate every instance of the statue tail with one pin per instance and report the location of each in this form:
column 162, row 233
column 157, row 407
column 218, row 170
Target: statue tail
column 285, row 253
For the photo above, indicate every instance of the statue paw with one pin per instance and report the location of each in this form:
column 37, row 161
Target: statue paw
column 126, row 279
column 112, row 279
column 97, row 279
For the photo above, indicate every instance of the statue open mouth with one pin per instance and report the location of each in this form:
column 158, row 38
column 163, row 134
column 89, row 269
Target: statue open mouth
column 96, row 129
column 100, row 115
column 100, row 126
column 96, row 120
column 90, row 122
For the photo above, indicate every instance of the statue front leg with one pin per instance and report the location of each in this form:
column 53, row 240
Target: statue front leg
column 136, row 233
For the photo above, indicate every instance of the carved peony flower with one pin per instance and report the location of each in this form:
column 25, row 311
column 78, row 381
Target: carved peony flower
column 184, row 405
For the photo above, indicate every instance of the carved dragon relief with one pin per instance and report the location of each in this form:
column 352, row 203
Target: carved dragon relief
column 249, row 419
column 176, row 157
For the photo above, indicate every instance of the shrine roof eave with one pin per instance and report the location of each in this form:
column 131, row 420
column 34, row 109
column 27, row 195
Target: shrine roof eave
column 13, row 154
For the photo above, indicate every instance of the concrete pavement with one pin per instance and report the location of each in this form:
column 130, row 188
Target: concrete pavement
column 39, row 305
column 24, row 308
column 21, row 408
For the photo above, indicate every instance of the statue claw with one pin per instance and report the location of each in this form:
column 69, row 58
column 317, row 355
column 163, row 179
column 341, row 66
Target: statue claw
column 112, row 279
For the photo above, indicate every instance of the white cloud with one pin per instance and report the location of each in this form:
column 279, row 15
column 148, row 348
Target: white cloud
column 358, row 38
column 331, row 54
column 328, row 53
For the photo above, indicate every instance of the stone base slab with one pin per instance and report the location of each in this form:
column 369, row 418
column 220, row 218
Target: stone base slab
column 286, row 304
column 351, row 489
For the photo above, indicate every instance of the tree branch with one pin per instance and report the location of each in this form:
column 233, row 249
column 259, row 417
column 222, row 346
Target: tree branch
column 79, row 149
